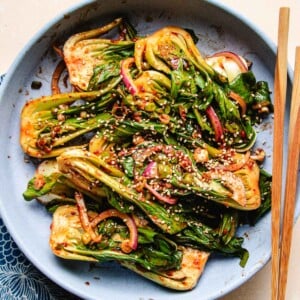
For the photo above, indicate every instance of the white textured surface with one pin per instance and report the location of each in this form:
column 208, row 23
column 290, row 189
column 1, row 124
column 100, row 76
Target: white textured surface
column 20, row 20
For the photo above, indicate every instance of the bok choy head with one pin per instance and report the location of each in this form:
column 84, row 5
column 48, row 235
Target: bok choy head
column 92, row 62
column 52, row 124
column 156, row 257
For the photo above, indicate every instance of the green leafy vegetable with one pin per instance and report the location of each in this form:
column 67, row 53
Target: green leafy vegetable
column 158, row 139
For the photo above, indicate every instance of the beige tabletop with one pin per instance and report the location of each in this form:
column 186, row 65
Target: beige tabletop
column 20, row 20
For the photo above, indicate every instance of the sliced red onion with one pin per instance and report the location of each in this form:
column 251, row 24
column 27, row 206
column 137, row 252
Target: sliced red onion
column 151, row 170
column 125, row 72
column 160, row 197
column 238, row 60
column 84, row 219
column 216, row 123
column 129, row 221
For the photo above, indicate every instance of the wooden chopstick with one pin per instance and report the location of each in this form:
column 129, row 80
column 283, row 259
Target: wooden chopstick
column 280, row 82
column 291, row 179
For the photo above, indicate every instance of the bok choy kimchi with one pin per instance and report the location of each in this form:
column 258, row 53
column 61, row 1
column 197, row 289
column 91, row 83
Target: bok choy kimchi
column 150, row 160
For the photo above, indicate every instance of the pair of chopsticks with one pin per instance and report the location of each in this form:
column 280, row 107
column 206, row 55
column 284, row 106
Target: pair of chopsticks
column 282, row 235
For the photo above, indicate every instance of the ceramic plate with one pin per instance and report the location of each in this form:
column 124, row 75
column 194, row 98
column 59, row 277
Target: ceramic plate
column 218, row 29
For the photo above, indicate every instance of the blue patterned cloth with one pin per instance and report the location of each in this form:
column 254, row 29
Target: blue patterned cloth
column 19, row 279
